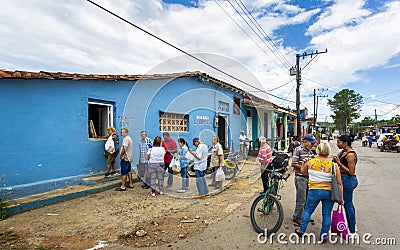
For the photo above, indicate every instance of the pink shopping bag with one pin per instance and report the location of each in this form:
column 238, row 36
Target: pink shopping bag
column 339, row 224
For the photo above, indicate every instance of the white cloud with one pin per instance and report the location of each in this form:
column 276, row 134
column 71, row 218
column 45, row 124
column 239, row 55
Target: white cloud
column 341, row 13
column 75, row 36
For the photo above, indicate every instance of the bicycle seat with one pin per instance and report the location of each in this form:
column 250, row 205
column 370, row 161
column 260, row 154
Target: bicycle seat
column 280, row 158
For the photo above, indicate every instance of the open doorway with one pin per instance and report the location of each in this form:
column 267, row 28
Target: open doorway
column 223, row 131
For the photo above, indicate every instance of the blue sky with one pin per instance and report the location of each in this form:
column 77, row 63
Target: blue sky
column 362, row 38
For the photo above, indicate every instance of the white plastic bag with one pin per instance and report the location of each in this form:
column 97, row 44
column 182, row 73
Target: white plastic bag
column 109, row 146
column 175, row 164
column 220, row 175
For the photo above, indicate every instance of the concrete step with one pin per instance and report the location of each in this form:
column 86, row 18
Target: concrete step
column 93, row 184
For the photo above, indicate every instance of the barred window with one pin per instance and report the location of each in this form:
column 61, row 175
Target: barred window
column 223, row 106
column 170, row 122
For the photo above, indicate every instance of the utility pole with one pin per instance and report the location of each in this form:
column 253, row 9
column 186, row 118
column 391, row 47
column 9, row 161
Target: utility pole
column 314, row 116
column 316, row 107
column 298, row 80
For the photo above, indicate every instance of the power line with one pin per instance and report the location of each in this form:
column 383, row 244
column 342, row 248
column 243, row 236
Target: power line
column 365, row 98
column 184, row 52
column 258, row 35
column 290, row 28
column 281, row 85
column 262, row 31
column 244, row 31
column 290, row 92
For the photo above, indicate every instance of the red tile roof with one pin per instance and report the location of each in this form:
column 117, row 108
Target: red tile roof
column 249, row 100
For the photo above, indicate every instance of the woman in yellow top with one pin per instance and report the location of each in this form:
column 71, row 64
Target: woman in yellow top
column 319, row 170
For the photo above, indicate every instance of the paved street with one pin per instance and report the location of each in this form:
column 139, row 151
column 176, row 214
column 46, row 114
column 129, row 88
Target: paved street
column 376, row 200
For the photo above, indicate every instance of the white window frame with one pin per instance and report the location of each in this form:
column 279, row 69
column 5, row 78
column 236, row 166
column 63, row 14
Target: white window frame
column 110, row 114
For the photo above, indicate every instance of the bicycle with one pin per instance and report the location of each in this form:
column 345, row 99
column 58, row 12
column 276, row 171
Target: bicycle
column 231, row 165
column 266, row 212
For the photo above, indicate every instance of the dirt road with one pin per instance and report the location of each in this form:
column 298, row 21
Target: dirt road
column 113, row 218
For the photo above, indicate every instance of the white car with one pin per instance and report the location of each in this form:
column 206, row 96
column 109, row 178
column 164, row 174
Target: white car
column 379, row 141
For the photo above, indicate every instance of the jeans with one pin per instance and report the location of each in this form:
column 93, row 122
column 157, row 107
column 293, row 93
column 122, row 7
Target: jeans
column 185, row 178
column 201, row 182
column 349, row 184
column 301, row 184
column 313, row 198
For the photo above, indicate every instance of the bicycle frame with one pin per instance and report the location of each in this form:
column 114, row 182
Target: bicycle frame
column 273, row 183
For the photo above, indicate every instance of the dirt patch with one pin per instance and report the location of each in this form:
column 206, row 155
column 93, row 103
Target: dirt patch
column 115, row 217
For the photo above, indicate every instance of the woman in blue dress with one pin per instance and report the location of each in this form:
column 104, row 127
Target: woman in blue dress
column 182, row 150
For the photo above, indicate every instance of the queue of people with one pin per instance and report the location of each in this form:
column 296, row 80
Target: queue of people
column 155, row 158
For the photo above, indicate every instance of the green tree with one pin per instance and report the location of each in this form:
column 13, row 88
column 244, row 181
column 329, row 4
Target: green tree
column 346, row 106
column 367, row 121
column 395, row 118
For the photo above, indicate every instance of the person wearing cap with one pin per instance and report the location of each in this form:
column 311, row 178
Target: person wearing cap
column 200, row 166
column 301, row 154
column 171, row 148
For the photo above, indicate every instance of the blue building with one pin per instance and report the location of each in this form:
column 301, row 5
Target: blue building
column 52, row 121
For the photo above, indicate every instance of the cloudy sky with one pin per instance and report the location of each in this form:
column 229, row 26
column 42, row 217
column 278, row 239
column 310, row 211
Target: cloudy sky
column 254, row 40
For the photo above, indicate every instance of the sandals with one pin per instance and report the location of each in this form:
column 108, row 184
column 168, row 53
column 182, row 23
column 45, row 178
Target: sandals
column 120, row 189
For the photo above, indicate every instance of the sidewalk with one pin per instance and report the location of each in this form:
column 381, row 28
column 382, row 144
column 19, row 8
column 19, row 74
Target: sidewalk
column 97, row 184
column 92, row 185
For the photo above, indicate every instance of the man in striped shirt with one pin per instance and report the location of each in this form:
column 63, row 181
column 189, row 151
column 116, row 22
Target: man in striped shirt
column 145, row 144
column 264, row 157
column 301, row 154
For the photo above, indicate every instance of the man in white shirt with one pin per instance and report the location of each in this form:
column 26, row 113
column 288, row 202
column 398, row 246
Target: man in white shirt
column 243, row 141
column 200, row 166
column 126, row 156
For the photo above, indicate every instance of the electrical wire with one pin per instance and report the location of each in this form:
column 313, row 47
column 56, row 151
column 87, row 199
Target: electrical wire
column 247, row 34
column 281, row 85
column 365, row 98
column 290, row 28
column 290, row 92
column 181, row 50
column 262, row 31
column 258, row 35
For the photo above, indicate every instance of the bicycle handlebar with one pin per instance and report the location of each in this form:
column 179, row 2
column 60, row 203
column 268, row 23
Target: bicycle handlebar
column 279, row 176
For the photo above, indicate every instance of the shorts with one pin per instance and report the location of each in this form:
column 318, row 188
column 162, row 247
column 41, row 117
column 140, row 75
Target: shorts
column 125, row 167
column 111, row 158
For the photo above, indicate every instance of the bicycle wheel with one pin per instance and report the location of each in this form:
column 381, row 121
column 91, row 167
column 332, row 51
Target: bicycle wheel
column 268, row 220
column 229, row 173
